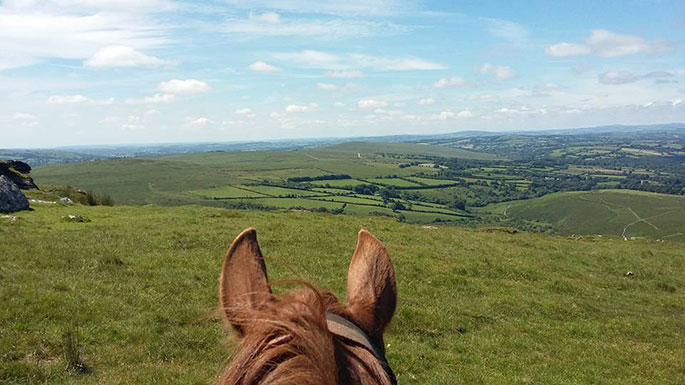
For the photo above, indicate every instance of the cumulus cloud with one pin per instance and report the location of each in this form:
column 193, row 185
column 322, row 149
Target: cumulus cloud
column 605, row 43
column 260, row 66
column 349, row 74
column 302, row 107
column 426, row 101
column 454, row 81
column 243, row 111
column 36, row 30
column 66, row 99
column 502, row 73
column 122, row 56
column 372, row 103
column 184, row 87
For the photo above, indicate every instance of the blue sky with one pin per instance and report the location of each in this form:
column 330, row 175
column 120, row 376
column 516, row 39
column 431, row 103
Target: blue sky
column 149, row 71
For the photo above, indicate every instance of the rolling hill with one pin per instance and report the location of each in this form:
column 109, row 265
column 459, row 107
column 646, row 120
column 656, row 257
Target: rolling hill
column 621, row 213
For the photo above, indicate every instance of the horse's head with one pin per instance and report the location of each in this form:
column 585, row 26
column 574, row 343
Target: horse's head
column 308, row 337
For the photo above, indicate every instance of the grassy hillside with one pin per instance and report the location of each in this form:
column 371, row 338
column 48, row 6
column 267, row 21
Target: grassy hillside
column 139, row 286
column 623, row 213
column 232, row 179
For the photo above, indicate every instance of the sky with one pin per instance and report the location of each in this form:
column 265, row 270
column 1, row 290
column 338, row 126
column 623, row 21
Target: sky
column 85, row 72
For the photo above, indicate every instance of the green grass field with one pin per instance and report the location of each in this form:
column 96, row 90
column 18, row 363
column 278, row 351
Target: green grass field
column 394, row 182
column 623, row 213
column 213, row 178
column 476, row 306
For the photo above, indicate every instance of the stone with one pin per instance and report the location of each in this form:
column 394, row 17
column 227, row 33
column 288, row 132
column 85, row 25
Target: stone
column 65, row 200
column 18, row 172
column 11, row 198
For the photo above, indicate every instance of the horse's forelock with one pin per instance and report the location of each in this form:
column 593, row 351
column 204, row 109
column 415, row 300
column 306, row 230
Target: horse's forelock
column 289, row 342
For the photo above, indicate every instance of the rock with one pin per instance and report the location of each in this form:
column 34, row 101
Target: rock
column 76, row 218
column 18, row 172
column 65, row 200
column 11, row 198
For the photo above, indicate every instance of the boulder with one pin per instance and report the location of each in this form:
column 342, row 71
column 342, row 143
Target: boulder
column 11, row 198
column 18, row 172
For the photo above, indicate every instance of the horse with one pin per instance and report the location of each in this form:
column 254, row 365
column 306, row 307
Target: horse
column 308, row 337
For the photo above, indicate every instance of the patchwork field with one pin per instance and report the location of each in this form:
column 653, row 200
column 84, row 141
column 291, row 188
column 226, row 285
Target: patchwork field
column 265, row 178
column 138, row 286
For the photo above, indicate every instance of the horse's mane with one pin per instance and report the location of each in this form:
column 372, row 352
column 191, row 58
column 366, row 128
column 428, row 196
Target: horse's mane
column 288, row 342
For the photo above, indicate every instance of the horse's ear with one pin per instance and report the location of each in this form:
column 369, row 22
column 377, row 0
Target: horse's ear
column 371, row 285
column 243, row 285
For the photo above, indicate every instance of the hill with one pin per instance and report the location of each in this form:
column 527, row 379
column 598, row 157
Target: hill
column 138, row 285
column 622, row 213
column 262, row 179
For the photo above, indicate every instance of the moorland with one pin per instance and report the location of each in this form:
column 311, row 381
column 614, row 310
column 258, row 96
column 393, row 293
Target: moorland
column 523, row 181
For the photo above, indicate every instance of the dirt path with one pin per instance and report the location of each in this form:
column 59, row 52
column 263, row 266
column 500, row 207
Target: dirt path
column 312, row 156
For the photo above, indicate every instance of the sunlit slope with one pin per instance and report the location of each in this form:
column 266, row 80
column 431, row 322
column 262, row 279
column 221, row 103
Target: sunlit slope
column 139, row 286
column 247, row 179
column 623, row 213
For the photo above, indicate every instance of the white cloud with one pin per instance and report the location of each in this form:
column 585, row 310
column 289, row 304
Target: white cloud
column 311, row 58
column 122, row 56
column 260, row 66
column 617, row 77
column 133, row 123
column 154, row 99
column 326, row 86
column 338, row 8
column 266, row 17
column 396, row 64
column 346, row 65
column 465, row 114
column 184, row 87
column 677, row 102
column 502, row 73
column 339, row 104
column 29, row 120
column 608, row 44
column 66, row 99
column 243, row 111
column 200, row 122
column 350, row 74
column 454, row 81
column 372, row 103
column 623, row 77
column 426, row 101
column 567, row 49
column 323, row 29
column 33, row 31
column 302, row 108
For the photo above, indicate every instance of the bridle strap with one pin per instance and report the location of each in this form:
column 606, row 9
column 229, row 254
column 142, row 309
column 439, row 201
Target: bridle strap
column 346, row 329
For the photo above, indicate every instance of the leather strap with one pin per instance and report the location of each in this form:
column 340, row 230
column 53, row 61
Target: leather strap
column 342, row 327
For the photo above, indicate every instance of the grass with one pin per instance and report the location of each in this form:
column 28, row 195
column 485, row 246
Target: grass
column 395, row 182
column 140, row 286
column 613, row 212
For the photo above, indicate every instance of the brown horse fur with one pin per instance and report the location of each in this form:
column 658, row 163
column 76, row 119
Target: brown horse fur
column 286, row 340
